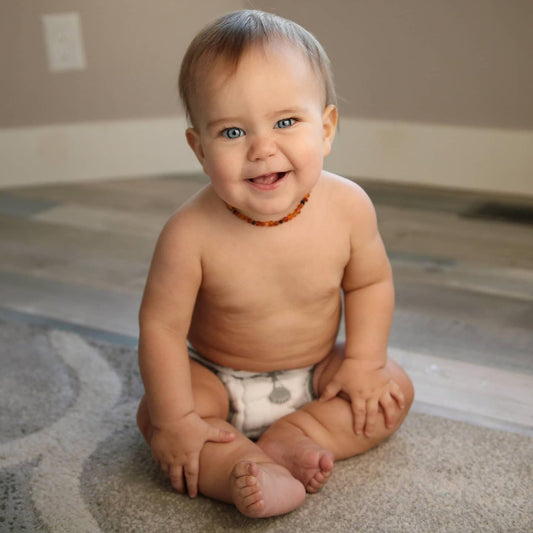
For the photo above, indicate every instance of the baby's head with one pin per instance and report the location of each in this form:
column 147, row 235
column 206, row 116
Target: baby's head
column 229, row 37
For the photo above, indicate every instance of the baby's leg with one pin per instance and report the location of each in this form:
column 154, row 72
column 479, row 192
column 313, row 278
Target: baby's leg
column 307, row 441
column 288, row 444
column 241, row 473
column 237, row 472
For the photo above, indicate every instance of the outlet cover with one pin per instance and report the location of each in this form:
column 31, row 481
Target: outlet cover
column 64, row 43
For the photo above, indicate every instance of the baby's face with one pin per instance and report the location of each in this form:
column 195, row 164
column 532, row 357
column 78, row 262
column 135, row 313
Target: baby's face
column 261, row 133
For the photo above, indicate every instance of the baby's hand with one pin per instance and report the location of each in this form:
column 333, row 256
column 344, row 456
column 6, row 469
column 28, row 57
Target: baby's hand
column 366, row 387
column 176, row 449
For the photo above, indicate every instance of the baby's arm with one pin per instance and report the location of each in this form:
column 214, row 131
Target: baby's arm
column 173, row 282
column 369, row 303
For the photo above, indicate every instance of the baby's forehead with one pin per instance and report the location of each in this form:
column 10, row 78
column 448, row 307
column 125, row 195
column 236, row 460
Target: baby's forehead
column 226, row 63
column 215, row 73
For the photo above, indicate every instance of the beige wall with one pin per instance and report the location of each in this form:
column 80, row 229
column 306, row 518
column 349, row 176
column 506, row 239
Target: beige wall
column 133, row 49
column 447, row 62
column 434, row 92
column 462, row 62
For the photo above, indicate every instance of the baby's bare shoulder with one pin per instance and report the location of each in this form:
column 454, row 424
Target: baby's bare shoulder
column 189, row 218
column 349, row 198
column 184, row 230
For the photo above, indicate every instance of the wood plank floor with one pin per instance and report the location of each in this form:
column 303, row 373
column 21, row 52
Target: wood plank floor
column 76, row 256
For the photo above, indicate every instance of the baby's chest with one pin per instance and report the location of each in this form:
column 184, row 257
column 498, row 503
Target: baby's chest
column 297, row 275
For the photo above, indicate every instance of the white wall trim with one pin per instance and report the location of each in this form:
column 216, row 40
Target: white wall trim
column 435, row 155
column 494, row 160
column 94, row 150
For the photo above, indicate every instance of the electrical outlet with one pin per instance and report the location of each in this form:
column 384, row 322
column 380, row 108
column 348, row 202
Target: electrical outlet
column 64, row 44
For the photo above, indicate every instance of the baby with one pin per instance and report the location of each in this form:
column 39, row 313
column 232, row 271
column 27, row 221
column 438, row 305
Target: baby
column 249, row 399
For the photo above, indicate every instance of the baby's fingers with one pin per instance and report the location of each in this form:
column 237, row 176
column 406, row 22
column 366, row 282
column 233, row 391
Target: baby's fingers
column 191, row 475
column 219, row 435
column 372, row 409
column 175, row 474
column 390, row 409
column 164, row 466
column 359, row 415
column 397, row 394
column 332, row 389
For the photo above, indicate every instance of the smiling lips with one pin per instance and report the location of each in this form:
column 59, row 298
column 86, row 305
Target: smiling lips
column 268, row 179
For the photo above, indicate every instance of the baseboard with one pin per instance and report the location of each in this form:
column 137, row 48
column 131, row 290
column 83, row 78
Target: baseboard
column 491, row 160
column 93, row 150
column 478, row 159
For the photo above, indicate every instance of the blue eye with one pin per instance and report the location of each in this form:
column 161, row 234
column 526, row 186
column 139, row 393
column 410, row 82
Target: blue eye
column 285, row 123
column 233, row 133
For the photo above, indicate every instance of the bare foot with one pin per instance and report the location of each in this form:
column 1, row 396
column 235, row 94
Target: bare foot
column 305, row 460
column 264, row 489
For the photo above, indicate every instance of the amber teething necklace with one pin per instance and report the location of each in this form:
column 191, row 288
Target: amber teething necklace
column 270, row 223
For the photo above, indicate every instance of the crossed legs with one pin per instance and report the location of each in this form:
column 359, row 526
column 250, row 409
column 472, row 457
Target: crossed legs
column 296, row 454
column 237, row 472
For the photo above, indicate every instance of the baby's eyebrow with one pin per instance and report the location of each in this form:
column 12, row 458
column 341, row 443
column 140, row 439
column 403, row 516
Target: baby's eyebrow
column 290, row 111
column 219, row 122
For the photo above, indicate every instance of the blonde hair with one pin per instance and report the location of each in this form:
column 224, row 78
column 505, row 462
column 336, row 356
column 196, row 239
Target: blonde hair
column 231, row 35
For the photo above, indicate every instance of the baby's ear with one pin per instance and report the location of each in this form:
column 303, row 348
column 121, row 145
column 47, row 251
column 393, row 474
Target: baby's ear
column 193, row 140
column 329, row 124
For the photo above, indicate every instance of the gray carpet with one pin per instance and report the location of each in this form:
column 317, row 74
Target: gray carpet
column 71, row 460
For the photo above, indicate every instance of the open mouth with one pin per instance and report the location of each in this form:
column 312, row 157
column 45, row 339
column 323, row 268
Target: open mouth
column 268, row 179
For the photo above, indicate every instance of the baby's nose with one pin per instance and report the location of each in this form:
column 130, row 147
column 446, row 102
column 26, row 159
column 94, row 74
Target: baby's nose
column 261, row 147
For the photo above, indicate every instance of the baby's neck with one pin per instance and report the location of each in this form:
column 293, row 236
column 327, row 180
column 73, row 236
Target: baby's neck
column 270, row 223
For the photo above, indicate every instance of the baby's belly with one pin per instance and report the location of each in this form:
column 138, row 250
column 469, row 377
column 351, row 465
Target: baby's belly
column 264, row 342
